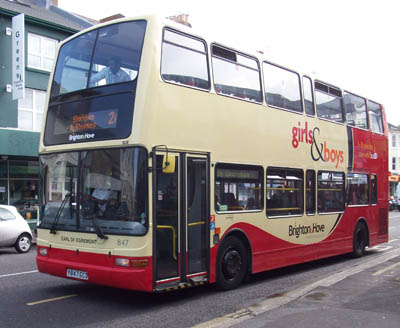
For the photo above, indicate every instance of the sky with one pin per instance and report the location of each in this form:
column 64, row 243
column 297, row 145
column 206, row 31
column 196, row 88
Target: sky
column 353, row 44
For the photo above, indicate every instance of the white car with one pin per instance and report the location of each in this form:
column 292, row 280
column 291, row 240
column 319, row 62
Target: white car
column 14, row 230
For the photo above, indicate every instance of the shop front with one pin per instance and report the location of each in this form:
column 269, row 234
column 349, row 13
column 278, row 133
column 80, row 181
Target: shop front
column 394, row 187
column 19, row 172
column 19, row 179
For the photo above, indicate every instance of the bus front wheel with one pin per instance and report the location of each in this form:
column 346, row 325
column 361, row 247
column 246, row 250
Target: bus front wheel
column 360, row 240
column 231, row 263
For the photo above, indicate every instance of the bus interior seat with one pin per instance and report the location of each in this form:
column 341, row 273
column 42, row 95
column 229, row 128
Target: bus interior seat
column 230, row 200
column 251, row 204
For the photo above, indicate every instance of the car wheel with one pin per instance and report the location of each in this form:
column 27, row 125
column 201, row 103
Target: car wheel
column 360, row 240
column 23, row 243
column 231, row 263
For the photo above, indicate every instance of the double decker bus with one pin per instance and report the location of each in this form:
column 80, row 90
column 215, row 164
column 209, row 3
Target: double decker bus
column 170, row 160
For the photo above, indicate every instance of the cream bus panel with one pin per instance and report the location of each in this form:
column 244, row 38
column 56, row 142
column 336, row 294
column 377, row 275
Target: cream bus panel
column 116, row 245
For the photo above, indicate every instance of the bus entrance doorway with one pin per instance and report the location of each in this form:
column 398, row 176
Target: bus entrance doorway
column 181, row 203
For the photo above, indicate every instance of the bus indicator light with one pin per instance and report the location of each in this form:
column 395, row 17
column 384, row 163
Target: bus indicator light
column 139, row 263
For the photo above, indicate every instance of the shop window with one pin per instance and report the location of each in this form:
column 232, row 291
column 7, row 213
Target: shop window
column 24, row 196
column 3, row 170
column 24, row 169
column 3, row 192
column 3, row 183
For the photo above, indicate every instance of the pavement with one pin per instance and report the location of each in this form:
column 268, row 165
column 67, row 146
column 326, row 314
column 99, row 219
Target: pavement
column 367, row 299
column 366, row 295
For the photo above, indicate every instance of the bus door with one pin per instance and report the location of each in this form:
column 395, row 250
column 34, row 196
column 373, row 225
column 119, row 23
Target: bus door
column 196, row 215
column 180, row 199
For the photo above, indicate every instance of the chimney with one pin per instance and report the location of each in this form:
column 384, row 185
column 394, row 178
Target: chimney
column 45, row 3
column 110, row 18
column 181, row 18
column 51, row 3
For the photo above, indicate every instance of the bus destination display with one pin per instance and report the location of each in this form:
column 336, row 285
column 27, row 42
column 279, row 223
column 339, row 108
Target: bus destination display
column 106, row 119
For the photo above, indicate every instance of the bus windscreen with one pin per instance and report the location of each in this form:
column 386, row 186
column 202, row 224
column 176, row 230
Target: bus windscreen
column 93, row 90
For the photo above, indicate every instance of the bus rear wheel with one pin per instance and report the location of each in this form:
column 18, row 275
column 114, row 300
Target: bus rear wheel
column 231, row 263
column 360, row 240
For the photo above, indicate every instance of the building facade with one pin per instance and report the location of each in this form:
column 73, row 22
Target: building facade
column 21, row 120
column 394, row 161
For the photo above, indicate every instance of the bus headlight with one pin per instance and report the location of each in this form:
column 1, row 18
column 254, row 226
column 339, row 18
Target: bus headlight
column 122, row 262
column 133, row 263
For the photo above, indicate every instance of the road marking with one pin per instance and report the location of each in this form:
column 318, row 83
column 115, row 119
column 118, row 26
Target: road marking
column 269, row 304
column 391, row 241
column 381, row 248
column 51, row 299
column 379, row 272
column 17, row 273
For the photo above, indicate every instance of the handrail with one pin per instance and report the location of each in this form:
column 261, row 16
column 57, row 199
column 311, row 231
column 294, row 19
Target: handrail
column 284, row 209
column 173, row 238
column 196, row 223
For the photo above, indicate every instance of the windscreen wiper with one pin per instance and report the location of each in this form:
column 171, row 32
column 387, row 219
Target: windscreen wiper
column 60, row 209
column 88, row 213
column 99, row 233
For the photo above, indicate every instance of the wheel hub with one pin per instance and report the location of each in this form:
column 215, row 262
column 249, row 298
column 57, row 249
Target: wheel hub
column 24, row 243
column 232, row 263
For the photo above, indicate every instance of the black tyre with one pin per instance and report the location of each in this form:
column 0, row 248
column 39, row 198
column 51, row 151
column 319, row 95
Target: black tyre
column 231, row 263
column 360, row 240
column 23, row 243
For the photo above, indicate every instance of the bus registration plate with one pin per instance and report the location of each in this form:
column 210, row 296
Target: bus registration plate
column 72, row 273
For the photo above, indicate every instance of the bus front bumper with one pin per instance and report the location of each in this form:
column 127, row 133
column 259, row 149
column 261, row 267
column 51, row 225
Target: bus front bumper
column 96, row 268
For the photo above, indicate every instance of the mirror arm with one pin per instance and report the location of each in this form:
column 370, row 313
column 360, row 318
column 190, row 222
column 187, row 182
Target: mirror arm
column 166, row 161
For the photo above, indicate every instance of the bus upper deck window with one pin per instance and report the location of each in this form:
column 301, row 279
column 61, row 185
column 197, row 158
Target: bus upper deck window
column 184, row 60
column 90, row 59
column 375, row 116
column 329, row 102
column 356, row 111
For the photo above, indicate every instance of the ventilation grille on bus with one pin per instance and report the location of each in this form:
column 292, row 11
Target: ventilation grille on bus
column 383, row 221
